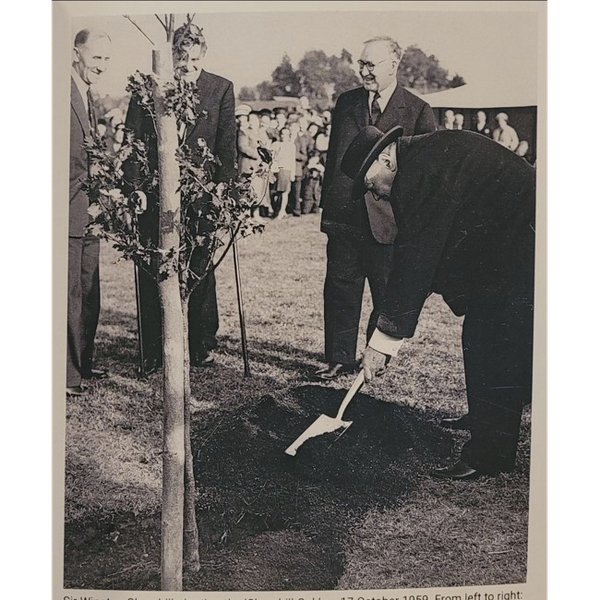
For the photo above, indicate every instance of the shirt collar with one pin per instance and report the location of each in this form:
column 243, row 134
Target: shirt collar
column 384, row 95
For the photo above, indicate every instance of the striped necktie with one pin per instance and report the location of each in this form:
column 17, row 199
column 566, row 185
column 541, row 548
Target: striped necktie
column 375, row 109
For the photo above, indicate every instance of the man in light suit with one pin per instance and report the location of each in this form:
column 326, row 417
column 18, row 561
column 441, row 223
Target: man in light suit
column 360, row 231
column 91, row 56
column 250, row 139
column 465, row 208
column 216, row 125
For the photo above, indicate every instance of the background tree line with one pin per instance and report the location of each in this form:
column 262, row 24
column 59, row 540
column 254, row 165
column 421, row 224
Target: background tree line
column 322, row 78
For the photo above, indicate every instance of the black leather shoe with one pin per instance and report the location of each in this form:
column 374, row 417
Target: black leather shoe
column 463, row 422
column 207, row 360
column 461, row 471
column 75, row 391
column 95, row 374
column 333, row 371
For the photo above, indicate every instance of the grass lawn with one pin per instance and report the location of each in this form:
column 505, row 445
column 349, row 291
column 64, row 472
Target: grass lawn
column 349, row 512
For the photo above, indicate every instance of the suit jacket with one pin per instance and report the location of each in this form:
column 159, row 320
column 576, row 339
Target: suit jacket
column 340, row 211
column 78, row 164
column 248, row 142
column 247, row 148
column 465, row 208
column 216, row 125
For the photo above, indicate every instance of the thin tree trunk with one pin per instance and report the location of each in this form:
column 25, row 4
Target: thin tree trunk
column 191, row 543
column 172, row 332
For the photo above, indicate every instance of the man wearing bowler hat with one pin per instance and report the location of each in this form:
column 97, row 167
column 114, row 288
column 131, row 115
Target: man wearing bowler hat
column 465, row 211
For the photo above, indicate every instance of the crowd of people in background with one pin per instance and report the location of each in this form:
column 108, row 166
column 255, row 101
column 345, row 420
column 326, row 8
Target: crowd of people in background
column 297, row 140
column 502, row 132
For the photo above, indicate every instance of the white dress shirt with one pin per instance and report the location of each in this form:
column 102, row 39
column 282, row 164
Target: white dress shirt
column 384, row 343
column 384, row 96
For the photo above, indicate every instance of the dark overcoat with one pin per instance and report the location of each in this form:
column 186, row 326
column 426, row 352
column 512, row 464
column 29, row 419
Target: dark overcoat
column 465, row 210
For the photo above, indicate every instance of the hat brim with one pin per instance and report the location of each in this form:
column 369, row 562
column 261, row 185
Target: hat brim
column 386, row 139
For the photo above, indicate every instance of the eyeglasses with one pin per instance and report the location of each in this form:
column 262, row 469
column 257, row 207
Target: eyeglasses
column 370, row 66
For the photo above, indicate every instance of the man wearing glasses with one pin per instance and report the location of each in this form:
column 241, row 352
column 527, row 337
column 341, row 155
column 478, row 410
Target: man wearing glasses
column 361, row 231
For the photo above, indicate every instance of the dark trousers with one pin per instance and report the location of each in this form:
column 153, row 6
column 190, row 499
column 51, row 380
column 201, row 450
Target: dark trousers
column 83, row 306
column 310, row 205
column 311, row 194
column 498, row 356
column 203, row 319
column 296, row 194
column 349, row 262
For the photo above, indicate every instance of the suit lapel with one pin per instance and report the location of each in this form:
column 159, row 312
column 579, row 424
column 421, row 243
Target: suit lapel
column 360, row 110
column 205, row 85
column 79, row 108
column 394, row 112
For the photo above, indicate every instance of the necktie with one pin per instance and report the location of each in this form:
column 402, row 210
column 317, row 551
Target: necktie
column 379, row 213
column 375, row 109
column 91, row 111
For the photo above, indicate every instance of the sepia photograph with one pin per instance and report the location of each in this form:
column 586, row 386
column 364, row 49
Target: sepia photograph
column 303, row 288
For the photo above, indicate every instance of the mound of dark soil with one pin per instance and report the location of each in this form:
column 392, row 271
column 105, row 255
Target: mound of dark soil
column 267, row 520
column 248, row 485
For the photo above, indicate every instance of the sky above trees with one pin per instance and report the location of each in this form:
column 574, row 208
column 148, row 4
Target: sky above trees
column 481, row 45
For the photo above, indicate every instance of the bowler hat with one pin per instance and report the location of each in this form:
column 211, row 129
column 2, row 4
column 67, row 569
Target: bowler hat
column 363, row 151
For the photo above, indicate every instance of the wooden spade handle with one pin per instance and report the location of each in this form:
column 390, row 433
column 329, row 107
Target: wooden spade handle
column 358, row 383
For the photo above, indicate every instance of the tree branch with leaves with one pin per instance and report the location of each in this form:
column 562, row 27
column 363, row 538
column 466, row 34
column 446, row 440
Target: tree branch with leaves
column 197, row 218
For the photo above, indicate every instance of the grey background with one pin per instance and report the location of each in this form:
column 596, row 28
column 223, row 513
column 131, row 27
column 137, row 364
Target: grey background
column 574, row 254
